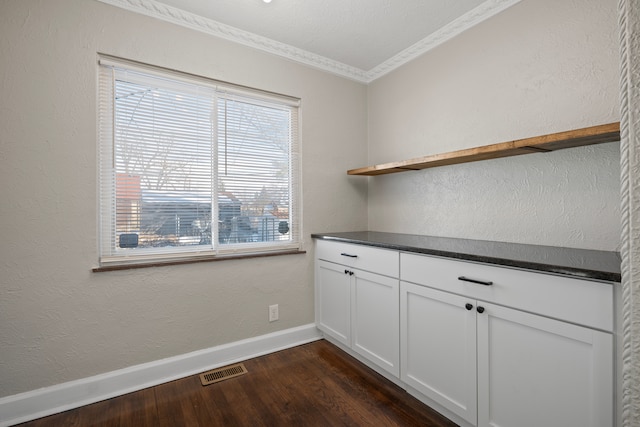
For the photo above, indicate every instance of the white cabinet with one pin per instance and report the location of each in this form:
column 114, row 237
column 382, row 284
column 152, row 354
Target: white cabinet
column 356, row 307
column 522, row 369
column 534, row 371
column 333, row 301
column 438, row 336
column 485, row 345
column 375, row 319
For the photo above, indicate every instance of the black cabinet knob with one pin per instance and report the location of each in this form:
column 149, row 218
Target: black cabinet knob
column 468, row 306
column 480, row 310
column 346, row 271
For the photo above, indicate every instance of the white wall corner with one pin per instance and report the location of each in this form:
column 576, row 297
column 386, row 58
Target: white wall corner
column 73, row 394
column 470, row 19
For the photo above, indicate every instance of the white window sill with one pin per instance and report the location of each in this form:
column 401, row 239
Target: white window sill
column 116, row 267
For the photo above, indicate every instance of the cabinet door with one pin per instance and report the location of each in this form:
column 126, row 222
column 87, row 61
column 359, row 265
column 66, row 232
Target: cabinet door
column 438, row 347
column 535, row 371
column 375, row 319
column 333, row 301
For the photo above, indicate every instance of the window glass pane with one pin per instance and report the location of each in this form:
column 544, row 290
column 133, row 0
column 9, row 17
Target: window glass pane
column 163, row 146
column 253, row 172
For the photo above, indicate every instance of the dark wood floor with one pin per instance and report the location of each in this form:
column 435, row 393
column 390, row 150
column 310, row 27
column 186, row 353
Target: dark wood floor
column 314, row 384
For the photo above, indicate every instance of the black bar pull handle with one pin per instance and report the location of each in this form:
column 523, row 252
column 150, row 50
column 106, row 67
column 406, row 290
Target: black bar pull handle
column 349, row 255
column 480, row 282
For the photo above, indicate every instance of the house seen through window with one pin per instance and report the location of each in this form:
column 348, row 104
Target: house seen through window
column 192, row 167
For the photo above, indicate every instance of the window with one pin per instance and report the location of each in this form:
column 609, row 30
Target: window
column 190, row 167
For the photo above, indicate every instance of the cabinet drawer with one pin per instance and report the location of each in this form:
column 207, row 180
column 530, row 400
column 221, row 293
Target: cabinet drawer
column 381, row 261
column 580, row 301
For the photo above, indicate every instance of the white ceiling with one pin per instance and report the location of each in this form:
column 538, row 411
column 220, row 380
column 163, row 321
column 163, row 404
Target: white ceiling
column 358, row 39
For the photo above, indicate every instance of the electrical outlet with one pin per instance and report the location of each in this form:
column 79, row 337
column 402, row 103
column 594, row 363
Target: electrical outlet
column 273, row 313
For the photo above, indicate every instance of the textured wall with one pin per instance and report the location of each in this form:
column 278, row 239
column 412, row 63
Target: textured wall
column 59, row 321
column 541, row 66
column 629, row 13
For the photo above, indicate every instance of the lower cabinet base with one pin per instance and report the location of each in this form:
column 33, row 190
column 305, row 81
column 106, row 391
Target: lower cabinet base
column 436, row 406
column 364, row 360
column 414, row 393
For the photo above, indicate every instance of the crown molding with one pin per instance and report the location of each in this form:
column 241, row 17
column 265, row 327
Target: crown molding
column 190, row 20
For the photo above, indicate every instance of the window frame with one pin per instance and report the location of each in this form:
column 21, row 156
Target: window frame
column 109, row 255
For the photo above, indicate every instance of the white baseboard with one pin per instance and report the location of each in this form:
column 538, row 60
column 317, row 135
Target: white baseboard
column 73, row 394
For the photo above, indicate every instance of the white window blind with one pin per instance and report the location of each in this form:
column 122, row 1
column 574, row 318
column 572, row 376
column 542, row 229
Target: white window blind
column 190, row 168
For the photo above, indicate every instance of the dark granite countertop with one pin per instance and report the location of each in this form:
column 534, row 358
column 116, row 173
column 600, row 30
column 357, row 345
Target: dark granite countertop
column 579, row 263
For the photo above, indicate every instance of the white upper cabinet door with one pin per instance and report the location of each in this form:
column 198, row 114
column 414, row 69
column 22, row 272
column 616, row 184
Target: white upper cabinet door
column 375, row 319
column 438, row 347
column 535, row 371
column 333, row 301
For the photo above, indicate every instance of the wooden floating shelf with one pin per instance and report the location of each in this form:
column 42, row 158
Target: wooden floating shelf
column 538, row 144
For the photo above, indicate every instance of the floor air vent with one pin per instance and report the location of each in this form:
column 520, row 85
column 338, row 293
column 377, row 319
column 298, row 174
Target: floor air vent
column 222, row 374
